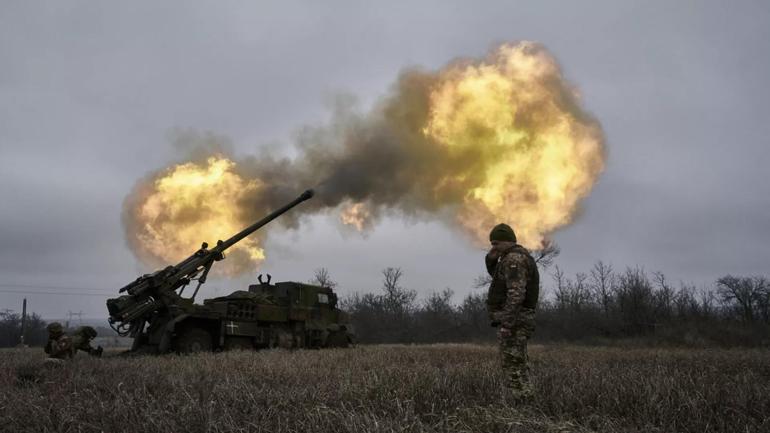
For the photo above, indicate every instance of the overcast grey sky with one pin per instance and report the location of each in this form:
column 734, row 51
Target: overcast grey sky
column 91, row 91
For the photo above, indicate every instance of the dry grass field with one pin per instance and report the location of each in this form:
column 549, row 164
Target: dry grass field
column 453, row 388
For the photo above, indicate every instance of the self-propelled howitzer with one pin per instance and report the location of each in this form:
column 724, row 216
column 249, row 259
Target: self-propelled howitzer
column 155, row 314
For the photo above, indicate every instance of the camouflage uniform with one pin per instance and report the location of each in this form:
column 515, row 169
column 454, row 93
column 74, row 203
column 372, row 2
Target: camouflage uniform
column 81, row 340
column 59, row 345
column 512, row 300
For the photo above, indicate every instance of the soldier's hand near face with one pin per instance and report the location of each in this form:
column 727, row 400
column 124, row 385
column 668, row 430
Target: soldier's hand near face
column 495, row 250
column 498, row 248
column 490, row 261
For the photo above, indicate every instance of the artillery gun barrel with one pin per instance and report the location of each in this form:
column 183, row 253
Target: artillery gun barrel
column 254, row 227
column 202, row 256
column 150, row 292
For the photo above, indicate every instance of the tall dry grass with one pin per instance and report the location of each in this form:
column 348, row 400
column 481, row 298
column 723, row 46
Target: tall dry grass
column 453, row 388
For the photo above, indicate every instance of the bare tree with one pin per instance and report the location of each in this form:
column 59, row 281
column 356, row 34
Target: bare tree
column 664, row 296
column 685, row 303
column 397, row 299
column 571, row 295
column 707, row 299
column 483, row 280
column 635, row 300
column 545, row 256
column 742, row 293
column 322, row 278
column 10, row 329
column 440, row 303
column 473, row 311
column 391, row 279
column 580, row 296
column 603, row 285
column 562, row 296
column 763, row 297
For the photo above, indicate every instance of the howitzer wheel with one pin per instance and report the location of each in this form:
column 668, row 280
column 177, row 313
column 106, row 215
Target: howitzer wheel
column 192, row 340
column 282, row 338
column 337, row 339
column 239, row 343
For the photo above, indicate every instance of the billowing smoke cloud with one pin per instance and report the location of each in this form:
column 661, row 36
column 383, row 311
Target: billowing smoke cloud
column 500, row 139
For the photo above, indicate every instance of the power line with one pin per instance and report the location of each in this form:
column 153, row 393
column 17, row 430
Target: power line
column 32, row 286
column 73, row 314
column 52, row 290
column 31, row 292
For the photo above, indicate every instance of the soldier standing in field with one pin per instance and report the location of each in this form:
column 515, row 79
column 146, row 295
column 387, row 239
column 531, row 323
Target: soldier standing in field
column 59, row 345
column 511, row 303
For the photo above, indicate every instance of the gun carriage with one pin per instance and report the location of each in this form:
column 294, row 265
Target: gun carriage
column 154, row 312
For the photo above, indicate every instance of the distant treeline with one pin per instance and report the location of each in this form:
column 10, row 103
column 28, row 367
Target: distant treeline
column 35, row 333
column 599, row 305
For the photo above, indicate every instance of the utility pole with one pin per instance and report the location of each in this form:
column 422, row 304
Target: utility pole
column 23, row 321
column 70, row 315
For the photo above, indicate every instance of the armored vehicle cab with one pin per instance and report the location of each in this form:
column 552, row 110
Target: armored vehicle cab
column 285, row 314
